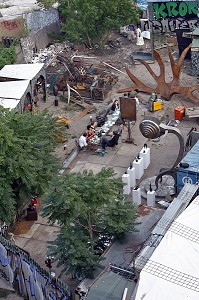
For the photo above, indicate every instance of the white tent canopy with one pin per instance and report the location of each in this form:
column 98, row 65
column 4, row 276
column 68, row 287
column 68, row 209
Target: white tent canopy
column 173, row 269
column 9, row 103
column 21, row 71
column 14, row 89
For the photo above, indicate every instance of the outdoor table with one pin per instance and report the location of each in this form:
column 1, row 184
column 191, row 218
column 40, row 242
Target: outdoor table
column 112, row 118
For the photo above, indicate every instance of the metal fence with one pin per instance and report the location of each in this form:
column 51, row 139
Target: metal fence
column 27, row 278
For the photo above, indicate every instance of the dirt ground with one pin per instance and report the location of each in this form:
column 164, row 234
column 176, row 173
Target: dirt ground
column 120, row 58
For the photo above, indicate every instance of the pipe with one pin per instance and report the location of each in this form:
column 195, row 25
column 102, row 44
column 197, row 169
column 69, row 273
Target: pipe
column 90, row 57
column 125, row 294
column 113, row 68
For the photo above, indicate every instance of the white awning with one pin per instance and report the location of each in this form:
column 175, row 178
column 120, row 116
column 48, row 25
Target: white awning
column 21, row 71
column 9, row 103
column 14, row 89
column 172, row 272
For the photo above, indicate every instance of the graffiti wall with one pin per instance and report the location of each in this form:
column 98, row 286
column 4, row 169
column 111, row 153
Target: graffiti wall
column 171, row 15
column 27, row 277
column 11, row 27
column 186, row 10
column 167, row 25
column 195, row 61
column 36, row 41
column 40, row 19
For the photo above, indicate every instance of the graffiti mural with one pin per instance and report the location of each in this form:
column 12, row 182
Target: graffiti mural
column 27, row 277
column 167, row 25
column 11, row 27
column 171, row 15
column 187, row 10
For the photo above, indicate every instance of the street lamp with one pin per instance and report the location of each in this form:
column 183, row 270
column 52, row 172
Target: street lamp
column 152, row 128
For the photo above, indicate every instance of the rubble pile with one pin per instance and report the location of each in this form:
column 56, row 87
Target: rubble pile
column 87, row 80
column 50, row 53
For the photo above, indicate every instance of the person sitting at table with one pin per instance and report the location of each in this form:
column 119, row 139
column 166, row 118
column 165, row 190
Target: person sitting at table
column 112, row 142
column 82, row 143
column 90, row 131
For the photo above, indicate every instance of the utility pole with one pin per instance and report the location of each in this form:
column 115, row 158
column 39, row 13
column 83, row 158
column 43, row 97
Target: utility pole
column 151, row 15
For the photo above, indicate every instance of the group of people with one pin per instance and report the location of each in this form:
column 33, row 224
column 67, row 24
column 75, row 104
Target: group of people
column 84, row 140
column 86, row 136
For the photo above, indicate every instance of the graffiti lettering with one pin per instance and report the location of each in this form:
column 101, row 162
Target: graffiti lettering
column 167, row 25
column 175, row 9
column 9, row 25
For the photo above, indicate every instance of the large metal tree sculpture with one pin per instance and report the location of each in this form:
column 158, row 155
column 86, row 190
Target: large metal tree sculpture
column 165, row 89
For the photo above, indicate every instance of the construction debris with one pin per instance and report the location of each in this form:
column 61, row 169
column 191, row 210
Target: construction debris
column 88, row 80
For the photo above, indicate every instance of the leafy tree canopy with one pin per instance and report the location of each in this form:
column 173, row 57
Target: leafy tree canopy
column 89, row 21
column 91, row 211
column 26, row 160
column 7, row 56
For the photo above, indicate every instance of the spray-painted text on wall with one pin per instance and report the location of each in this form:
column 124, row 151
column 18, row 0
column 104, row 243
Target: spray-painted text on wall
column 167, row 25
column 187, row 10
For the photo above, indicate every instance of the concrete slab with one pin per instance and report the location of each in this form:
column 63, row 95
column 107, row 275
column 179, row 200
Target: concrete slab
column 46, row 233
column 129, row 150
column 120, row 161
column 93, row 167
column 41, row 220
column 38, row 250
column 31, row 231
column 102, row 160
column 21, row 241
column 79, row 167
column 119, row 171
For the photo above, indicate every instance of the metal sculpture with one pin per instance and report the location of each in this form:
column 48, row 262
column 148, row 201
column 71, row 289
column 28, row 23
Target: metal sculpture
column 165, row 89
column 151, row 128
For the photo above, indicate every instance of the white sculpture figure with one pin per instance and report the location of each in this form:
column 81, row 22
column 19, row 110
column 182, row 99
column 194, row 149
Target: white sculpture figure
column 140, row 40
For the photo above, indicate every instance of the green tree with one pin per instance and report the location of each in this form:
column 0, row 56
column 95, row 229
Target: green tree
column 7, row 56
column 90, row 21
column 91, row 210
column 26, row 160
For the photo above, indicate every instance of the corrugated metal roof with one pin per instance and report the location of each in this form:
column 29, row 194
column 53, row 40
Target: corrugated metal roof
column 21, row 71
column 9, row 103
column 13, row 89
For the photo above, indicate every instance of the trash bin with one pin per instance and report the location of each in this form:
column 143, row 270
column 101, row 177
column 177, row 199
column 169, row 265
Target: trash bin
column 56, row 102
column 31, row 214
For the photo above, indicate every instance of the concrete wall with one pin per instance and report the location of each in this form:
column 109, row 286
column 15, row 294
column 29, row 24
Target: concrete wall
column 36, row 41
column 40, row 19
column 20, row 57
column 11, row 27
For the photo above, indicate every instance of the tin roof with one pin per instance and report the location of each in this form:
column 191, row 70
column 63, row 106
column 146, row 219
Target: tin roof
column 13, row 89
column 21, row 71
